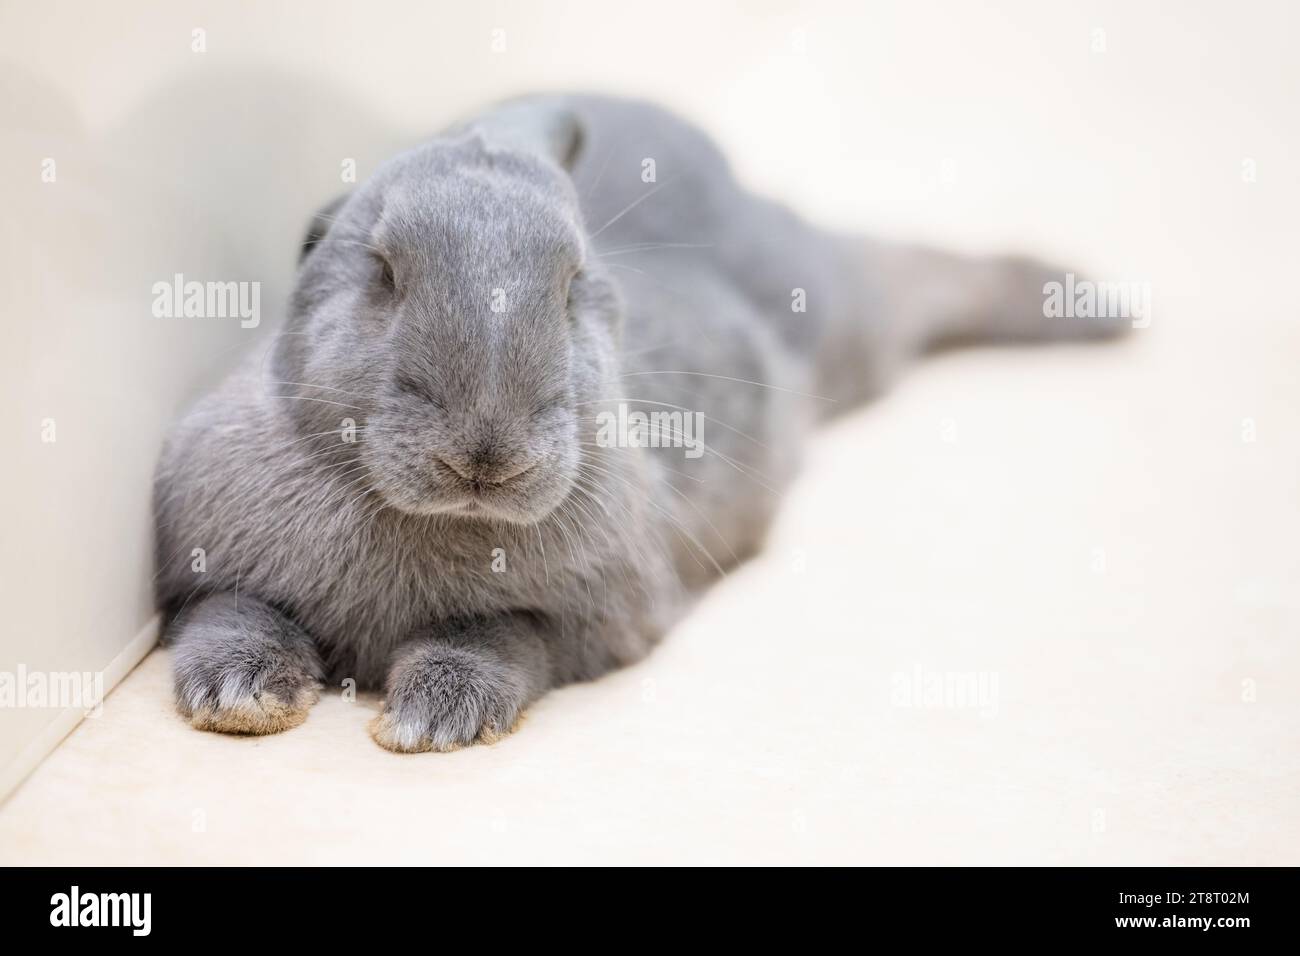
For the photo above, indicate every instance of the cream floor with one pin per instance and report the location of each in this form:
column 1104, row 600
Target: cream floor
column 1083, row 529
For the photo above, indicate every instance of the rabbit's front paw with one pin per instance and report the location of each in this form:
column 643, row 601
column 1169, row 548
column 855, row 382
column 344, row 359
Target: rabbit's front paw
column 442, row 698
column 244, row 669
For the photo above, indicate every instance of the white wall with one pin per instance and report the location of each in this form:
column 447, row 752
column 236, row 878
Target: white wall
column 209, row 164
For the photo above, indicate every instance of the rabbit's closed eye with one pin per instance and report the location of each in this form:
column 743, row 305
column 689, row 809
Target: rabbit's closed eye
column 386, row 277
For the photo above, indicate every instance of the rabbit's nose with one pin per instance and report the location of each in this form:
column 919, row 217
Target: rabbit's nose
column 486, row 464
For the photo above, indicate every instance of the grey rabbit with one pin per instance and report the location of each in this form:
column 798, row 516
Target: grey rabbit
column 421, row 486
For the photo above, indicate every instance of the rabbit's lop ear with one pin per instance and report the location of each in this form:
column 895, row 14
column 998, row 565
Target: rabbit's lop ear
column 540, row 125
column 320, row 225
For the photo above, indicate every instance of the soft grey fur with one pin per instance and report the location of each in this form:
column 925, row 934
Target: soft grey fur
column 474, row 546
